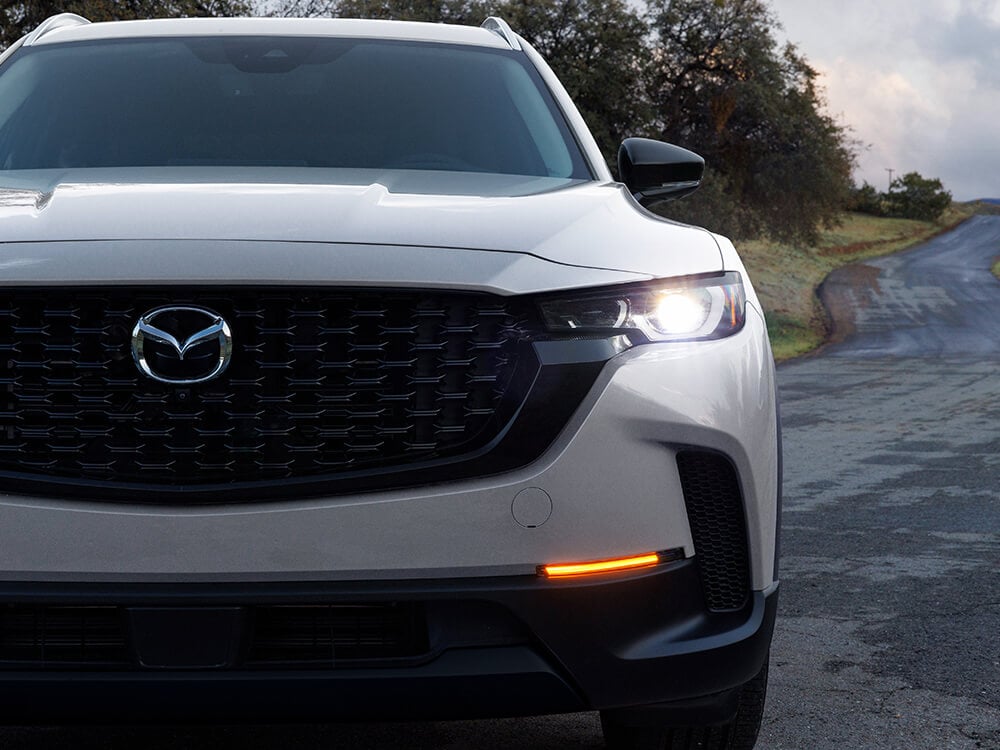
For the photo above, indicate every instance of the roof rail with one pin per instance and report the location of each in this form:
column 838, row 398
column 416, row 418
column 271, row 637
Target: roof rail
column 501, row 28
column 51, row 23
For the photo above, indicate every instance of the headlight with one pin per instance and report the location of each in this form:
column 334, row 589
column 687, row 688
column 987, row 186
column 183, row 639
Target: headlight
column 668, row 310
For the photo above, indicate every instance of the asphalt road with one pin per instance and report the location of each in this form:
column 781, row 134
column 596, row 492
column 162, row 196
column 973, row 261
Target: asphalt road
column 889, row 630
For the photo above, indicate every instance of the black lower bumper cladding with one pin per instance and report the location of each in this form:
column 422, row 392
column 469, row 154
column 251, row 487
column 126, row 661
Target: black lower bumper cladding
column 122, row 653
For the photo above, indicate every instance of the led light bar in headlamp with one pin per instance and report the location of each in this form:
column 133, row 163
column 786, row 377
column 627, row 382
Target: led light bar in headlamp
column 669, row 310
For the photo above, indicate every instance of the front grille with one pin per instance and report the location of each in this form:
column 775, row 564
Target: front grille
column 60, row 637
column 718, row 527
column 321, row 382
column 328, row 635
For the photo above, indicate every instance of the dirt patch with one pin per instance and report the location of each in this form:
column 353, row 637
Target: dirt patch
column 865, row 247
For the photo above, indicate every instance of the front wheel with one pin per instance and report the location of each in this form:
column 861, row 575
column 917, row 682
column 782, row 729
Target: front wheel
column 739, row 733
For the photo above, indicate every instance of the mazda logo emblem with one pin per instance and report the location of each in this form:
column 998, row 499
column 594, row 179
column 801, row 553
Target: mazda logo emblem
column 182, row 345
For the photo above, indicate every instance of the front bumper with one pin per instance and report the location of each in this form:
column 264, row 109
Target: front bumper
column 610, row 477
column 504, row 646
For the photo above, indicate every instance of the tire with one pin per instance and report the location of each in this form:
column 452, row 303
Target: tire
column 740, row 733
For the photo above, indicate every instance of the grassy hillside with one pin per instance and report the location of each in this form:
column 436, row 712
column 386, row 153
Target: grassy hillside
column 786, row 277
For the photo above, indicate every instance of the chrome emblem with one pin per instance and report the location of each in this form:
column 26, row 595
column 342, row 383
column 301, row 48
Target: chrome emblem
column 182, row 345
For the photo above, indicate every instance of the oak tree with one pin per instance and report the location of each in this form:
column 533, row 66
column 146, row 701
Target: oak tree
column 18, row 17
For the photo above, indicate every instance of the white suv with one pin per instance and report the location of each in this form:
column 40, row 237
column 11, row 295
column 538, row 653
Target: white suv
column 341, row 379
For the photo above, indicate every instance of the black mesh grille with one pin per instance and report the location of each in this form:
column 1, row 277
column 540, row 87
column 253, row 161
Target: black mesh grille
column 61, row 637
column 328, row 635
column 715, row 513
column 321, row 382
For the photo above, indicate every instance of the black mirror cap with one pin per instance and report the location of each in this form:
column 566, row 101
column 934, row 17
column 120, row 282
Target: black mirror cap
column 655, row 172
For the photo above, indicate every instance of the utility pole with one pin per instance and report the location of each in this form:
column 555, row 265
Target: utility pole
column 890, row 171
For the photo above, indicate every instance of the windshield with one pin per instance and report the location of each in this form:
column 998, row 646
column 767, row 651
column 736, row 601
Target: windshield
column 294, row 102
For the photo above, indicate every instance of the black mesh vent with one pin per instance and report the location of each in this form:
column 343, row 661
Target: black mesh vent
column 75, row 637
column 718, row 527
column 332, row 635
column 321, row 382
column 50, row 637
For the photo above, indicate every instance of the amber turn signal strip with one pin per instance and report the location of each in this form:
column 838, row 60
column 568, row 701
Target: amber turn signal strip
column 565, row 570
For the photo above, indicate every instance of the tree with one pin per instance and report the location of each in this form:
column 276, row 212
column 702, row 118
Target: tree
column 867, row 200
column 720, row 86
column 18, row 17
column 470, row 12
column 913, row 196
column 598, row 49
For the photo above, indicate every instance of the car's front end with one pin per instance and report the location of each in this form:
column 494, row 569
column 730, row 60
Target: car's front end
column 335, row 440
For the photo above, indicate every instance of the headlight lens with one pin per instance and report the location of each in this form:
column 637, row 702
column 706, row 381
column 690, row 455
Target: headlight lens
column 668, row 310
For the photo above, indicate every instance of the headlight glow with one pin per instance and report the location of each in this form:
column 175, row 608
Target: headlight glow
column 676, row 313
column 685, row 309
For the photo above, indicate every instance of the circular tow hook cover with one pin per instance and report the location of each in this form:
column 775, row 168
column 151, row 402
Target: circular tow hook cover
column 531, row 507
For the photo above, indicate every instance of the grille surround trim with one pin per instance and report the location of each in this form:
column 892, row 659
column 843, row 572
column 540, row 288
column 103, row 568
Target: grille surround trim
column 547, row 383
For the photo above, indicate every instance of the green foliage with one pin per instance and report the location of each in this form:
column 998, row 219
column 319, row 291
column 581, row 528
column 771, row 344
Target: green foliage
column 598, row 50
column 468, row 12
column 867, row 200
column 722, row 87
column 911, row 196
column 915, row 197
column 18, row 17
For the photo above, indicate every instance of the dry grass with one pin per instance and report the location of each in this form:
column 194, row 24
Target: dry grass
column 996, row 268
column 786, row 277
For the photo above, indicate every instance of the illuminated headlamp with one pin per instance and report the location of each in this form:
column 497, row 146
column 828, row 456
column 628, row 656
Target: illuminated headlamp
column 685, row 309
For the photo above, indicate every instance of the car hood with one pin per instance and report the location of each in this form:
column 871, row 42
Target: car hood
column 575, row 223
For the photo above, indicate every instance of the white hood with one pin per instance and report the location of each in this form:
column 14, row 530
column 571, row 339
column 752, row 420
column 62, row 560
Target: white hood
column 579, row 224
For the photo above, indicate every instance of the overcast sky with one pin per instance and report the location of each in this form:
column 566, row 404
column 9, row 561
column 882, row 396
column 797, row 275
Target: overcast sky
column 917, row 80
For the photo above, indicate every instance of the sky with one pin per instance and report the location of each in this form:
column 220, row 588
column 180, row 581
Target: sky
column 918, row 82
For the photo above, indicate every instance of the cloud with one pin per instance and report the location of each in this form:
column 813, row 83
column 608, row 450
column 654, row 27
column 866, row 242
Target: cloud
column 919, row 83
column 973, row 36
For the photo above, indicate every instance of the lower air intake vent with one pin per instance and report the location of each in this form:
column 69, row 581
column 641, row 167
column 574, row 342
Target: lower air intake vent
column 336, row 635
column 63, row 637
column 99, row 638
column 718, row 527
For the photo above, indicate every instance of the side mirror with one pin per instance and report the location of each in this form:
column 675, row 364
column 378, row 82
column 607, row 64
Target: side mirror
column 655, row 171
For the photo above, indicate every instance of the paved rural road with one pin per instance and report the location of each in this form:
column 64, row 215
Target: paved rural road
column 889, row 631
column 890, row 616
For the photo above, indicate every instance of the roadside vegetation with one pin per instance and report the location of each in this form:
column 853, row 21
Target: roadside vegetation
column 911, row 196
column 788, row 275
column 996, row 268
